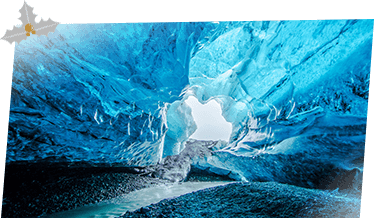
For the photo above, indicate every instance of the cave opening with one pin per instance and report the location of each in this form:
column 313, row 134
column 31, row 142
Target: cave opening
column 211, row 125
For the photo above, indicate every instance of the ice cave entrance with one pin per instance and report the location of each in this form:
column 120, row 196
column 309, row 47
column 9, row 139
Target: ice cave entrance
column 211, row 125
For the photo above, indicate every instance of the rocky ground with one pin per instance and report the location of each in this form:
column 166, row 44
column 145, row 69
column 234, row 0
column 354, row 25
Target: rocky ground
column 255, row 199
column 36, row 189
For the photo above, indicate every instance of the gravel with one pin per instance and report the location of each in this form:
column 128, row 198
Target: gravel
column 255, row 199
column 36, row 189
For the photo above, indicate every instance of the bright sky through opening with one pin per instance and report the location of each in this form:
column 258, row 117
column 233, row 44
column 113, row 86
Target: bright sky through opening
column 209, row 120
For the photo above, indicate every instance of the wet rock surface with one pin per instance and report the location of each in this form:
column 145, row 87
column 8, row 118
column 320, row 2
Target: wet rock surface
column 35, row 189
column 176, row 168
column 255, row 199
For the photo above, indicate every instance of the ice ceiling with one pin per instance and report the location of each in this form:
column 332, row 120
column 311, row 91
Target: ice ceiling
column 116, row 92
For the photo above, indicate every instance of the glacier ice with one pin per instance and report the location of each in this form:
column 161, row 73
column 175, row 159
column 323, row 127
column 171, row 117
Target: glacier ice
column 98, row 92
column 181, row 125
column 295, row 93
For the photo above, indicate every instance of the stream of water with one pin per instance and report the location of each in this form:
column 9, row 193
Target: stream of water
column 117, row 206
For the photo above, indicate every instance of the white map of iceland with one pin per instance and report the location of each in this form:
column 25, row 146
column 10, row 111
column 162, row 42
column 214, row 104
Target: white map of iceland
column 29, row 26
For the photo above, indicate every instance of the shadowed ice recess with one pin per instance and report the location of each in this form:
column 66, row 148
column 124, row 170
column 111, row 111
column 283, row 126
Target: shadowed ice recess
column 294, row 93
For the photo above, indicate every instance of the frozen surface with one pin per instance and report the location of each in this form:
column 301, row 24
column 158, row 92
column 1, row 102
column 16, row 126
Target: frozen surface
column 295, row 92
column 180, row 125
column 98, row 92
column 135, row 200
column 275, row 69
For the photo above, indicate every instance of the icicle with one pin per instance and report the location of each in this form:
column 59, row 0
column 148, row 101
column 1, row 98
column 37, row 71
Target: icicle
column 95, row 117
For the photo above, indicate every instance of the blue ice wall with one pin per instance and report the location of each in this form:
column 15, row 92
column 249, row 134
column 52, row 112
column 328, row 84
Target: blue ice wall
column 114, row 92
column 98, row 92
column 273, row 70
column 296, row 93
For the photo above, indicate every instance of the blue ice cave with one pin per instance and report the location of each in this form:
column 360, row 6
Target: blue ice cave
column 294, row 92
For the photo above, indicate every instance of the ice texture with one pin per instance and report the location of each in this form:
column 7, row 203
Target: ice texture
column 181, row 125
column 98, row 92
column 278, row 68
column 295, row 92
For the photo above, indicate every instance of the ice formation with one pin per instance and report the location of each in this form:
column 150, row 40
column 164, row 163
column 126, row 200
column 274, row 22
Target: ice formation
column 294, row 92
